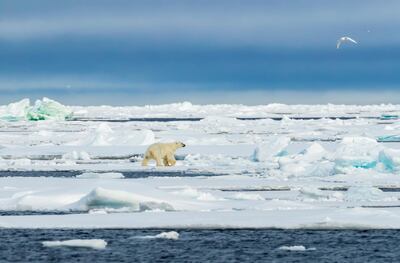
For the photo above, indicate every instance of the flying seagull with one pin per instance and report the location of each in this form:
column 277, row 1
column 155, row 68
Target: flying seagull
column 345, row 39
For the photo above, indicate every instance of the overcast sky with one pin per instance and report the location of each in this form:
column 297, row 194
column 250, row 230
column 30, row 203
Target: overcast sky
column 251, row 52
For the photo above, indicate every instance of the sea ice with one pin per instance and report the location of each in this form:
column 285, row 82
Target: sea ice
column 357, row 152
column 247, row 196
column 92, row 175
column 390, row 158
column 172, row 235
column 76, row 155
column 295, row 248
column 87, row 243
column 101, row 198
column 268, row 150
column 364, row 193
column 194, row 193
column 104, row 135
column 15, row 111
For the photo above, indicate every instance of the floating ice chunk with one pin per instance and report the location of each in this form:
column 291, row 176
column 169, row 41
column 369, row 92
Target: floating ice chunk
column 364, row 193
column 390, row 158
column 87, row 243
column 101, row 198
column 91, row 175
column 295, row 248
column 47, row 109
column 267, row 151
column 172, row 235
column 168, row 235
column 358, row 152
column 76, row 155
column 247, row 196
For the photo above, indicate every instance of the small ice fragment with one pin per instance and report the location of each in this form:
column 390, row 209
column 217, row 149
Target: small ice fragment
column 172, row 235
column 168, row 235
column 295, row 248
column 88, row 243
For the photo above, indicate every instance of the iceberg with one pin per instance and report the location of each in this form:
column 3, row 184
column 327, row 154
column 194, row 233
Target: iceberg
column 47, row 109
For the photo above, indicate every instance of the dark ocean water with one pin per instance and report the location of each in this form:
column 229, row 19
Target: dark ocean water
column 23, row 245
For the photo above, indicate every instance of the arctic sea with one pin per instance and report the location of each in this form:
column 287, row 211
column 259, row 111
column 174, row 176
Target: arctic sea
column 244, row 245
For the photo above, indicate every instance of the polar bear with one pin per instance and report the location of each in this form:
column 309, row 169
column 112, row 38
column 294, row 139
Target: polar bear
column 162, row 153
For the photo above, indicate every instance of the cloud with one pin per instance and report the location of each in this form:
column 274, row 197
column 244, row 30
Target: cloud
column 231, row 23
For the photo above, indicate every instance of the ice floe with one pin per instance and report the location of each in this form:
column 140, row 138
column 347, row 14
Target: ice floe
column 295, row 248
column 85, row 243
column 172, row 235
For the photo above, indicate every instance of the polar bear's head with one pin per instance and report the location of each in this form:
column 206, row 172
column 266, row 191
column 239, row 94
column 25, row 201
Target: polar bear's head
column 179, row 144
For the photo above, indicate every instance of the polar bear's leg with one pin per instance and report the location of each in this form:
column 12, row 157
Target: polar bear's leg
column 145, row 161
column 159, row 161
column 165, row 161
column 171, row 159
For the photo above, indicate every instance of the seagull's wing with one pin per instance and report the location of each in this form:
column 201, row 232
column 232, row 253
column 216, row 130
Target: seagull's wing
column 351, row 40
column 338, row 43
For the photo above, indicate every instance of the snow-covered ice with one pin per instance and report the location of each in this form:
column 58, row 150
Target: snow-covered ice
column 268, row 166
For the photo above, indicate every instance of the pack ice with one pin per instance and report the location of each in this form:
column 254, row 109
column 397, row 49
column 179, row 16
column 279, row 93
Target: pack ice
column 282, row 166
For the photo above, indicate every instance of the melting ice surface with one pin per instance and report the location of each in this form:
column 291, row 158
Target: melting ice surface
column 278, row 166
